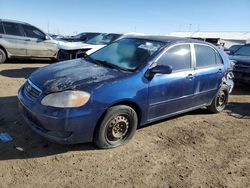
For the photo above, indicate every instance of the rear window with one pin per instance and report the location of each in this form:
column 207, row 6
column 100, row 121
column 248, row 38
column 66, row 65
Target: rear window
column 1, row 28
column 12, row 29
column 205, row 56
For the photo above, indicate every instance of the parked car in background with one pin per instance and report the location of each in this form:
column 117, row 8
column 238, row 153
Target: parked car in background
column 232, row 49
column 133, row 81
column 22, row 40
column 56, row 37
column 241, row 59
column 83, row 37
column 78, row 49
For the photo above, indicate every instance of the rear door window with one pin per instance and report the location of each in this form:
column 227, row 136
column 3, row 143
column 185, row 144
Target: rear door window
column 33, row 32
column 12, row 29
column 1, row 28
column 205, row 56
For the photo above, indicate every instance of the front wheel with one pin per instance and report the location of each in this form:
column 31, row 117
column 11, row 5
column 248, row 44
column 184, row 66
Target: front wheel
column 117, row 127
column 220, row 101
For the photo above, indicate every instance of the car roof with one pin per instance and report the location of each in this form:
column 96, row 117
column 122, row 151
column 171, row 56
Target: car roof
column 13, row 21
column 88, row 33
column 166, row 39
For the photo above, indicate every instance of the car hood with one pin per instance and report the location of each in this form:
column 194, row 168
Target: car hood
column 240, row 59
column 76, row 45
column 72, row 75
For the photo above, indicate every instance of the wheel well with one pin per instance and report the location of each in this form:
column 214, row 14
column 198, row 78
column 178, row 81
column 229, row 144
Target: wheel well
column 127, row 103
column 5, row 51
column 132, row 105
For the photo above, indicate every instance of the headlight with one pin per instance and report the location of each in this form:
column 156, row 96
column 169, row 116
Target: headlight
column 66, row 99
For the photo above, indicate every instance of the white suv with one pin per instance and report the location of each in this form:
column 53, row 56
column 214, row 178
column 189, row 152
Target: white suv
column 22, row 40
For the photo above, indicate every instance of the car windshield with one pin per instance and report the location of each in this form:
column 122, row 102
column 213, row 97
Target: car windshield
column 79, row 35
column 234, row 48
column 126, row 54
column 243, row 51
column 103, row 39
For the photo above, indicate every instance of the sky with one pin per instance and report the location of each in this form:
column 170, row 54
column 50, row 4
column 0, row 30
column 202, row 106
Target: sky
column 145, row 16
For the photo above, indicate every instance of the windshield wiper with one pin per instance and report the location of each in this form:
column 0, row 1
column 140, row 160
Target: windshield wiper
column 107, row 64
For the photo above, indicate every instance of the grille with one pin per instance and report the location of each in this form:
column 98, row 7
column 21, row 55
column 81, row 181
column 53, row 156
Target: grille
column 71, row 54
column 64, row 55
column 31, row 90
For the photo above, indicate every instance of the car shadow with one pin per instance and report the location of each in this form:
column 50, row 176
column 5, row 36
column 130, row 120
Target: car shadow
column 22, row 72
column 18, row 73
column 28, row 61
column 239, row 110
column 26, row 144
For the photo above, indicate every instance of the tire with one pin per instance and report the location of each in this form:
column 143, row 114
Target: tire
column 3, row 56
column 220, row 101
column 117, row 127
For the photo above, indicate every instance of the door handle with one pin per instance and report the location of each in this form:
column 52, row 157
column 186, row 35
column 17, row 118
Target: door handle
column 27, row 39
column 190, row 76
column 219, row 71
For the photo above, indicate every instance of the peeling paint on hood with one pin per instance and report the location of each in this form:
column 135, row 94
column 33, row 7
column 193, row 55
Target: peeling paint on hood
column 71, row 75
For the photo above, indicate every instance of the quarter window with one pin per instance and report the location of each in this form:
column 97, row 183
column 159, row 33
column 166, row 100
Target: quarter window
column 205, row 56
column 33, row 32
column 179, row 57
column 12, row 29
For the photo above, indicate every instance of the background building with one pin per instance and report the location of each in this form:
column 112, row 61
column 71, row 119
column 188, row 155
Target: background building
column 225, row 39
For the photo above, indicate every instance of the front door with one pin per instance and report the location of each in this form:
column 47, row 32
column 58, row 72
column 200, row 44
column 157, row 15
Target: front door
column 37, row 44
column 172, row 93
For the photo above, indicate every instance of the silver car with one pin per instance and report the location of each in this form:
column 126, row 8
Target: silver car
column 22, row 40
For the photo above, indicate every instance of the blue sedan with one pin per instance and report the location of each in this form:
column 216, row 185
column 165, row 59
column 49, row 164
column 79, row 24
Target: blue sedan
column 105, row 96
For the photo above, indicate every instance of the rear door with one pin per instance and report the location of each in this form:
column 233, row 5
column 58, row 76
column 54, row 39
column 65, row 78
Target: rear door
column 14, row 40
column 209, row 70
column 172, row 93
column 37, row 43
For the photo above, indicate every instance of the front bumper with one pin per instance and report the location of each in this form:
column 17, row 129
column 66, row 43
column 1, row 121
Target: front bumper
column 64, row 55
column 59, row 125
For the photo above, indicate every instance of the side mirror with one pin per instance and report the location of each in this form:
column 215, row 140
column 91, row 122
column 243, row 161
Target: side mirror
column 161, row 69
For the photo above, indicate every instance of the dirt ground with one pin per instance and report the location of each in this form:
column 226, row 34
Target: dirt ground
column 196, row 149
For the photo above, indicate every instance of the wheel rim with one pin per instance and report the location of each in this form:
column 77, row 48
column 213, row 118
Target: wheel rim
column 221, row 99
column 118, row 128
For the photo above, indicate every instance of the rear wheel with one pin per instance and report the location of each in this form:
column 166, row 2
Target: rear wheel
column 3, row 56
column 117, row 127
column 220, row 101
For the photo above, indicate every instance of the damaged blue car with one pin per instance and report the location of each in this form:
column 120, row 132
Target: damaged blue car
column 104, row 97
